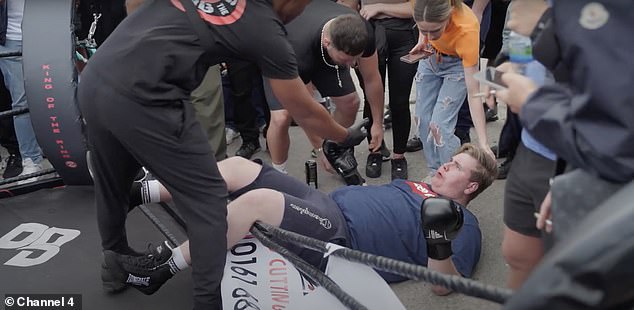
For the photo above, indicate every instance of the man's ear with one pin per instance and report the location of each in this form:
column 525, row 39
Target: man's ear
column 327, row 41
column 471, row 188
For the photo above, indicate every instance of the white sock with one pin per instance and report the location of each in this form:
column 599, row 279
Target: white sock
column 150, row 191
column 179, row 260
column 281, row 167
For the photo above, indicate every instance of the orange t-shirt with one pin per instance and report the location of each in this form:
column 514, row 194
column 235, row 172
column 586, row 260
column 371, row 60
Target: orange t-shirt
column 461, row 37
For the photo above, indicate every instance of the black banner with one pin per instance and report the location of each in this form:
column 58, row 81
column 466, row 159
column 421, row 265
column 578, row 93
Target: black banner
column 51, row 82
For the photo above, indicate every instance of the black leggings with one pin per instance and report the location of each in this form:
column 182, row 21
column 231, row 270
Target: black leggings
column 401, row 76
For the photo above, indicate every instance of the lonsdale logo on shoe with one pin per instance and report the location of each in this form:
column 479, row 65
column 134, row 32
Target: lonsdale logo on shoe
column 134, row 280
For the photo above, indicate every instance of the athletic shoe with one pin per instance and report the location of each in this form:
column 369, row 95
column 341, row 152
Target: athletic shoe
column 373, row 165
column 387, row 119
column 385, row 153
column 146, row 273
column 29, row 167
column 14, row 166
column 230, row 135
column 110, row 284
column 399, row 168
column 248, row 149
column 414, row 144
column 504, row 167
column 491, row 115
column 463, row 135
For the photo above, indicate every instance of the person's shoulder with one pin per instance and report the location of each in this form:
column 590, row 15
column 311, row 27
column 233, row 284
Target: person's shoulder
column 465, row 18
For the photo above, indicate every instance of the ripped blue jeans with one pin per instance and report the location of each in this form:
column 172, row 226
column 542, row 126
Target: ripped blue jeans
column 440, row 91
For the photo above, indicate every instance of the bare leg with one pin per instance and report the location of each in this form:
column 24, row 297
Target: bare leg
column 522, row 253
column 261, row 204
column 277, row 136
column 237, row 172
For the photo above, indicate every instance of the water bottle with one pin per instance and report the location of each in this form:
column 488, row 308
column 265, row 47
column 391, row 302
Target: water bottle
column 311, row 173
column 520, row 52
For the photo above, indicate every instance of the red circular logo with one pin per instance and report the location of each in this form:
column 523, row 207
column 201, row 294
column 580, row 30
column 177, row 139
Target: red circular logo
column 217, row 12
column 71, row 164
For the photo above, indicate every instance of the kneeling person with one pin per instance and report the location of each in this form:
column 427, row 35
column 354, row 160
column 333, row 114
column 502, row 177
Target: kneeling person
column 328, row 39
column 382, row 220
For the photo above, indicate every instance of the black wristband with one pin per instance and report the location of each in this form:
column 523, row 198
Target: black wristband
column 439, row 251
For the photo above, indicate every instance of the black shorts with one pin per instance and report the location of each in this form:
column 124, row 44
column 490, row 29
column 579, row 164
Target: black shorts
column 526, row 187
column 307, row 211
column 325, row 81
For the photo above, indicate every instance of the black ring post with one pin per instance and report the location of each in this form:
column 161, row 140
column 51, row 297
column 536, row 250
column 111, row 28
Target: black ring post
column 48, row 50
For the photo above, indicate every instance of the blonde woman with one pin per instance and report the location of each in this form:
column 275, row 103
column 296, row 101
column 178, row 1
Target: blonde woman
column 451, row 30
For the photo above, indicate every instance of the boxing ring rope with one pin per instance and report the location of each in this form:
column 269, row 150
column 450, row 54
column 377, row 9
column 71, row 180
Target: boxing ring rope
column 312, row 272
column 14, row 112
column 10, row 54
column 411, row 271
column 27, row 176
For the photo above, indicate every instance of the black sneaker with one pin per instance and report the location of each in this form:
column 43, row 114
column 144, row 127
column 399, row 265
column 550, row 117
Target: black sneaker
column 248, row 149
column 14, row 166
column 373, row 165
column 491, row 115
column 503, row 168
column 399, row 168
column 110, row 284
column 387, row 119
column 385, row 153
column 147, row 273
column 463, row 135
column 414, row 144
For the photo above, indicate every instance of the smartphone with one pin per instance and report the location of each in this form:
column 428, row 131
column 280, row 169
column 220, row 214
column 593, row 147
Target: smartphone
column 414, row 58
column 491, row 77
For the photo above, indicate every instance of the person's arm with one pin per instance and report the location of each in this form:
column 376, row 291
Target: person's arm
column 368, row 66
column 353, row 4
column 524, row 15
column 132, row 5
column 476, row 108
column 309, row 114
column 445, row 266
column 478, row 8
column 398, row 10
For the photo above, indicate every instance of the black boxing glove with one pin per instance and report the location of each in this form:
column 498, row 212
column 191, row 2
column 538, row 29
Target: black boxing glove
column 342, row 160
column 441, row 220
column 356, row 133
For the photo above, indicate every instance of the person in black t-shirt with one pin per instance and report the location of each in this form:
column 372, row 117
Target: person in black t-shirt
column 328, row 39
column 134, row 96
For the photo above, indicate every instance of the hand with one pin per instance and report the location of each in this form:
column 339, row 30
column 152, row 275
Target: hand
column 356, row 134
column 324, row 162
column 343, row 162
column 441, row 221
column 487, row 149
column 377, row 136
column 518, row 90
column 488, row 95
column 525, row 14
column 543, row 220
column 369, row 11
column 422, row 46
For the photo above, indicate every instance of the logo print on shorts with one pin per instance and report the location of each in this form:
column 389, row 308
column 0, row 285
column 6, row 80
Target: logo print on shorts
column 217, row 12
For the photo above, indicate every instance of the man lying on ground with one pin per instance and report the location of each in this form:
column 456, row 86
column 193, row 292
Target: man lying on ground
column 383, row 220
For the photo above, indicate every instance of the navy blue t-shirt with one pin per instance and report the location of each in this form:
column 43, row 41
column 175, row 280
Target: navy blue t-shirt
column 385, row 220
